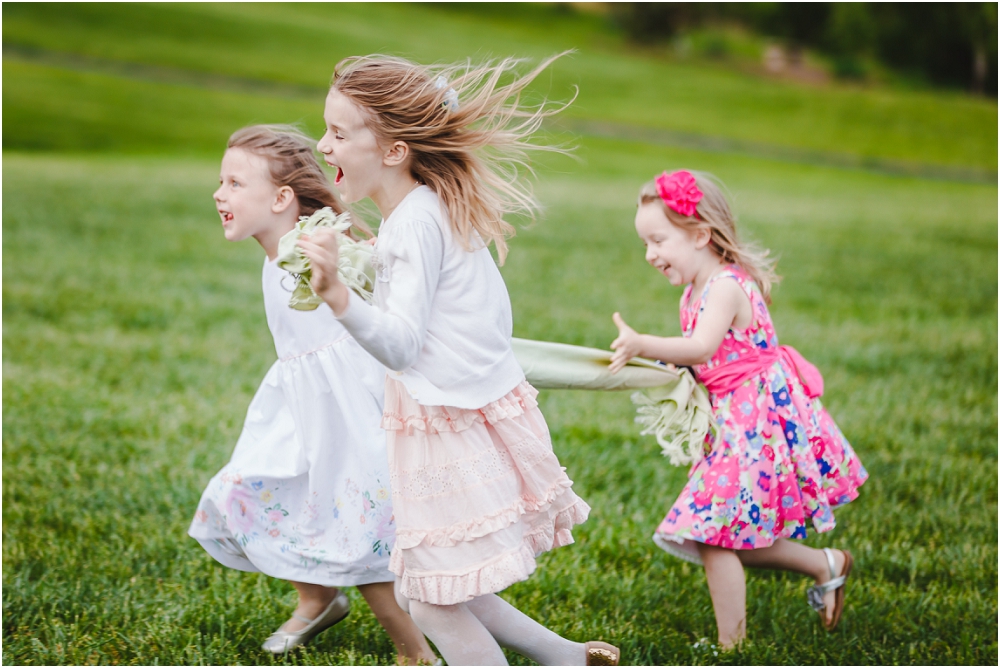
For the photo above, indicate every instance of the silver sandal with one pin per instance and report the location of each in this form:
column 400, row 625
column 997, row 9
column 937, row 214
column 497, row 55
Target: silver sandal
column 282, row 641
column 836, row 583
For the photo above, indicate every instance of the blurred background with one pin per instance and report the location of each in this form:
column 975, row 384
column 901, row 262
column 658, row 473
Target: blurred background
column 908, row 82
column 858, row 142
column 948, row 45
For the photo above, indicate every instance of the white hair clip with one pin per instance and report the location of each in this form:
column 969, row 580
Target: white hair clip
column 450, row 96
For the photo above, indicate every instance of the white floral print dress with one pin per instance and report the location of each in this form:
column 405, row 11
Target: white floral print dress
column 306, row 494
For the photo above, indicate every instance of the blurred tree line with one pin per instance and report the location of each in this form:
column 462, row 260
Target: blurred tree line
column 949, row 44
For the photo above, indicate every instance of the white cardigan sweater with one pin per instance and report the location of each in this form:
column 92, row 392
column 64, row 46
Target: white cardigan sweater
column 442, row 320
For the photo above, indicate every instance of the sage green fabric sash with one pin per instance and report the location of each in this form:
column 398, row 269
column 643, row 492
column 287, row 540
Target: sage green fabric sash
column 354, row 267
column 671, row 405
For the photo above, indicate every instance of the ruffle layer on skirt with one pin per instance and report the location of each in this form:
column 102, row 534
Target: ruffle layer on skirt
column 436, row 419
column 478, row 494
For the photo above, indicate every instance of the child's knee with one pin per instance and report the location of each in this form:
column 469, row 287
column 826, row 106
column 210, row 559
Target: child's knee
column 428, row 616
column 401, row 601
column 422, row 614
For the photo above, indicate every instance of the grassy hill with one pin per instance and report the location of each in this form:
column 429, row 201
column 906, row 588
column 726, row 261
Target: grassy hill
column 179, row 50
column 135, row 335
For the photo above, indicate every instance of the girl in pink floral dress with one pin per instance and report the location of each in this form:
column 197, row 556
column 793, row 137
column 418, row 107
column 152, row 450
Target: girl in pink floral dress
column 776, row 459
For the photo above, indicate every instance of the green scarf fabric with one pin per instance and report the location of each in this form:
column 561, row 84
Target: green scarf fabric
column 671, row 405
column 354, row 266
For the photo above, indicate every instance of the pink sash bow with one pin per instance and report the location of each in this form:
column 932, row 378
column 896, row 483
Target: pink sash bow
column 727, row 377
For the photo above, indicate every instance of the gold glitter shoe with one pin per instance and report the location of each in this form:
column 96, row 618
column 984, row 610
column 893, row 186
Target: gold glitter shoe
column 601, row 654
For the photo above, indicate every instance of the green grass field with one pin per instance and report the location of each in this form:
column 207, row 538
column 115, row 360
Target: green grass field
column 135, row 334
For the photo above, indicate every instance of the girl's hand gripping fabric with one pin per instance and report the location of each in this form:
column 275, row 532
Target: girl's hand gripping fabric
column 394, row 331
column 626, row 346
column 354, row 267
column 323, row 252
column 724, row 301
column 672, row 405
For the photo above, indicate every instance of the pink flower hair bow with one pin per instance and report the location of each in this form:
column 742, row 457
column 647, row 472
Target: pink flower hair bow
column 680, row 192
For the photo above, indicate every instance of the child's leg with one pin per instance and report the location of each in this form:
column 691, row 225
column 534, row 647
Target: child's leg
column 729, row 592
column 787, row 555
column 515, row 630
column 459, row 635
column 410, row 643
column 313, row 600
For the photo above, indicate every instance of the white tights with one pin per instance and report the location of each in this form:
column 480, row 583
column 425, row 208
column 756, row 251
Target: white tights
column 472, row 633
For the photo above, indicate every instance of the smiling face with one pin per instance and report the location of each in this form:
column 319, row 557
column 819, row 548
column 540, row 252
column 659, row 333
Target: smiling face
column 351, row 148
column 246, row 196
column 674, row 252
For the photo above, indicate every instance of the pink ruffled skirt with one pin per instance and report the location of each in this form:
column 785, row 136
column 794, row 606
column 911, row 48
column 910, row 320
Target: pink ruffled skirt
column 477, row 494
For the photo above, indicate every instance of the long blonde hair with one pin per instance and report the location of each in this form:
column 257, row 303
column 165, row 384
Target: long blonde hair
column 715, row 215
column 291, row 162
column 467, row 133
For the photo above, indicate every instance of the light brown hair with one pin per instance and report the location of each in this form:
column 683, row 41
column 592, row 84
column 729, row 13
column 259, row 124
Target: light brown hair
column 291, row 162
column 468, row 134
column 715, row 215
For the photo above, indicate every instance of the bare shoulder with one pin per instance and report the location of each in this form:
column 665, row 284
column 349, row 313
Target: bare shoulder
column 727, row 293
column 728, row 289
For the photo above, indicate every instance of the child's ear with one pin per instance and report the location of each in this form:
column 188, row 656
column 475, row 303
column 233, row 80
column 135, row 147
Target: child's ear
column 283, row 199
column 702, row 236
column 396, row 154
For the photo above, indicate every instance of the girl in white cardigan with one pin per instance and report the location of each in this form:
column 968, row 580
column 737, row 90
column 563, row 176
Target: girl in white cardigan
column 477, row 491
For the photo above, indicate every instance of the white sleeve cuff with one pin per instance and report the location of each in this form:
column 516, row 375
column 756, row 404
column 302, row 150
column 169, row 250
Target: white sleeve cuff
column 354, row 315
column 350, row 297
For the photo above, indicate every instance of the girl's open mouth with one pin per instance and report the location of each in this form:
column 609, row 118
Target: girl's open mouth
column 226, row 217
column 340, row 177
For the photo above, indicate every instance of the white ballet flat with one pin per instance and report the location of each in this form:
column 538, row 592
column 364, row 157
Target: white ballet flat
column 282, row 641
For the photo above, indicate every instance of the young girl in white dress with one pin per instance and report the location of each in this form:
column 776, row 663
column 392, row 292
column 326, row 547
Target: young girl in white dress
column 305, row 497
column 477, row 490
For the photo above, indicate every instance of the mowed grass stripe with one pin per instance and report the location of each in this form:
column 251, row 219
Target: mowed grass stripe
column 216, row 83
column 299, row 45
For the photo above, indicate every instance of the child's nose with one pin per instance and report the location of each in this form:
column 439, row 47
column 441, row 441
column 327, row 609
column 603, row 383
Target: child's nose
column 650, row 255
column 324, row 146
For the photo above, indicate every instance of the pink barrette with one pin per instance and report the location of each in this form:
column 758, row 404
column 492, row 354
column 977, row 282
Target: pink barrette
column 680, row 192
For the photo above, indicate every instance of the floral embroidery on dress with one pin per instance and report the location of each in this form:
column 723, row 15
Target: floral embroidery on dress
column 253, row 517
column 304, row 496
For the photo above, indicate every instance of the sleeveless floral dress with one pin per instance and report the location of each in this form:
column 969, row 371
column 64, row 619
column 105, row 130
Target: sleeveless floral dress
column 777, row 460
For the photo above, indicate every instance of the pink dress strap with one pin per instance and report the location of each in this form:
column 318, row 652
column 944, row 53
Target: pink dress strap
column 689, row 311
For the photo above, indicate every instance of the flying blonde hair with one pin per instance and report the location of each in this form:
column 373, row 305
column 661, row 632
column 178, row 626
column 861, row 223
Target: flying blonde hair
column 291, row 162
column 468, row 134
column 714, row 214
